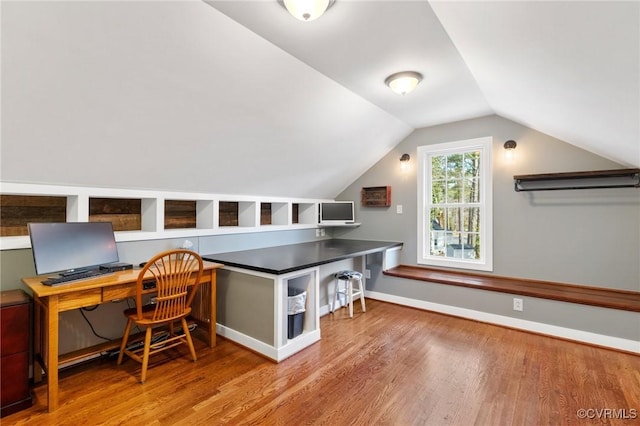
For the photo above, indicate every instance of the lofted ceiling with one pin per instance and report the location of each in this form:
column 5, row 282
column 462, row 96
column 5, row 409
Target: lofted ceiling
column 238, row 97
column 570, row 69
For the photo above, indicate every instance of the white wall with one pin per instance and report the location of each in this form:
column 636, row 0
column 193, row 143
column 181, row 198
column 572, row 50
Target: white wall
column 173, row 95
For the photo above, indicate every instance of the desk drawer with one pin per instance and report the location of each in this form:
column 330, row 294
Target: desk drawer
column 118, row 292
column 79, row 299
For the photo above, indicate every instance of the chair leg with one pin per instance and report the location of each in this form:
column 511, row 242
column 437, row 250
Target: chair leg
column 335, row 295
column 361, row 287
column 350, row 296
column 125, row 339
column 187, row 334
column 145, row 355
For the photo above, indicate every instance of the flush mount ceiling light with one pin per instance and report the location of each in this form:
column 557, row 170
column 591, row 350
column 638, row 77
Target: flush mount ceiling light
column 403, row 82
column 307, row 10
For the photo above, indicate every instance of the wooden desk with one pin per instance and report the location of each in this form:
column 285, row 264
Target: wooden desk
column 51, row 300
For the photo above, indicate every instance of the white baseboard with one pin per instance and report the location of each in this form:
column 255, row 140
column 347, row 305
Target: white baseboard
column 536, row 327
column 277, row 354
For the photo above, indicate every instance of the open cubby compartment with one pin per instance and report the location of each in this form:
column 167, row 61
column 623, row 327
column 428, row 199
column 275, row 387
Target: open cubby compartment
column 180, row 214
column 297, row 284
column 307, row 213
column 238, row 213
column 124, row 213
column 189, row 214
column 274, row 213
column 265, row 214
column 16, row 211
column 206, row 214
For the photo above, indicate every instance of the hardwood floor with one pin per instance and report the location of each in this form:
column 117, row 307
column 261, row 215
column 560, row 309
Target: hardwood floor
column 390, row 366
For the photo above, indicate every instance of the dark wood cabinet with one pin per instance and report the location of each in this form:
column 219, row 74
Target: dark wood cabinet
column 15, row 312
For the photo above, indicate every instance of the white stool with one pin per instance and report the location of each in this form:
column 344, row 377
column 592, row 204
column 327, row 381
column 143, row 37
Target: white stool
column 349, row 277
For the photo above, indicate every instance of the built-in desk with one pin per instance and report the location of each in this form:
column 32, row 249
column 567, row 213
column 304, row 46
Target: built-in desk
column 253, row 289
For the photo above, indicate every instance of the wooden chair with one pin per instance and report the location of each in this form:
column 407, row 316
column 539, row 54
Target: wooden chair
column 173, row 273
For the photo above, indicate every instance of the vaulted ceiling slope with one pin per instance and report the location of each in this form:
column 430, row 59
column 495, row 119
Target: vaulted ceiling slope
column 238, row 97
column 174, row 96
column 569, row 69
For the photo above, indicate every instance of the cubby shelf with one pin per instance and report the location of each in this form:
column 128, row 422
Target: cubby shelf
column 149, row 215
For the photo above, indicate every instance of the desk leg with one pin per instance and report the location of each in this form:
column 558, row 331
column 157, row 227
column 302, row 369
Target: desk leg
column 52, row 352
column 212, row 309
column 37, row 339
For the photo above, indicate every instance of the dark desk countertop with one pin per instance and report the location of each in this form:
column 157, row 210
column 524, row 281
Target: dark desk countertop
column 294, row 257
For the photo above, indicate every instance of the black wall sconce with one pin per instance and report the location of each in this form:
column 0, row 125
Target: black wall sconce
column 404, row 161
column 509, row 149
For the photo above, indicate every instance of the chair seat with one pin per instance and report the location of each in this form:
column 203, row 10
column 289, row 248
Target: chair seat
column 133, row 311
column 147, row 313
column 348, row 275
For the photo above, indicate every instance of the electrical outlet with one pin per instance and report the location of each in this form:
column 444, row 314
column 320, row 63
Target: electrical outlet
column 399, row 209
column 367, row 273
column 518, row 304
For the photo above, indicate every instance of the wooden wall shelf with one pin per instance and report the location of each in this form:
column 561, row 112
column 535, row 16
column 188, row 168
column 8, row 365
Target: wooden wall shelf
column 618, row 178
column 376, row 196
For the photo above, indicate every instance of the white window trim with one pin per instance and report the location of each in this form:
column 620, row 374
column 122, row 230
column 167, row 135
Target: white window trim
column 485, row 146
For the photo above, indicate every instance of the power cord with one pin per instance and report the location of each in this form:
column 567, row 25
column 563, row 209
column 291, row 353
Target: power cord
column 89, row 309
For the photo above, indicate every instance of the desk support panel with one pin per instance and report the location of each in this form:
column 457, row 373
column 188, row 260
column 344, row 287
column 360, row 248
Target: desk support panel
column 252, row 310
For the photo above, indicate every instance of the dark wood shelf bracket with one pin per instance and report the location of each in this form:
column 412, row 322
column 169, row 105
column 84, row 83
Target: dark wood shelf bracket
column 620, row 178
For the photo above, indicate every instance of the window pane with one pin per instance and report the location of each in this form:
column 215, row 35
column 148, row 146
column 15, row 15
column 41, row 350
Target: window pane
column 471, row 219
column 453, row 219
column 452, row 238
column 437, row 219
column 471, row 191
column 437, row 243
column 437, row 192
column 471, row 248
column 471, row 166
column 438, row 167
column 454, row 166
column 454, row 191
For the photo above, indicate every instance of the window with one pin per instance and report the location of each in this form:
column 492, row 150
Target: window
column 455, row 200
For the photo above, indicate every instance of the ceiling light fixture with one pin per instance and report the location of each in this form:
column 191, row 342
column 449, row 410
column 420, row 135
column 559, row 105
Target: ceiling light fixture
column 403, row 82
column 306, row 10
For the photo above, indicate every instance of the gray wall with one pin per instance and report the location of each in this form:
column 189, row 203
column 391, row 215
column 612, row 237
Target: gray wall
column 587, row 237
